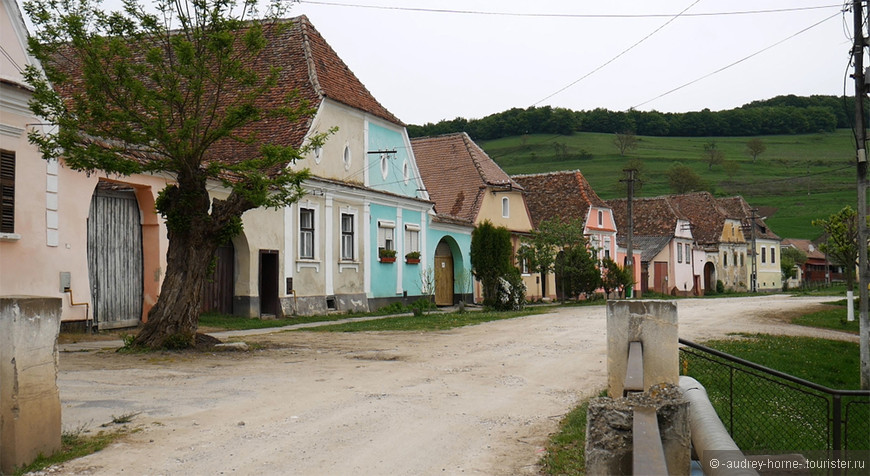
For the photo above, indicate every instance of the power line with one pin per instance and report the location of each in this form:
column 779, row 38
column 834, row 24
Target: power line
column 558, row 15
column 738, row 61
column 619, row 55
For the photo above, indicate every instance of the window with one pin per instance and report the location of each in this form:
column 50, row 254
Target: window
column 725, row 259
column 347, row 236
column 772, row 254
column 7, row 192
column 679, row 252
column 505, row 208
column 412, row 238
column 306, row 233
column 688, row 253
column 741, row 259
column 606, row 246
column 600, row 218
column 385, row 165
column 386, row 235
column 763, row 254
column 406, row 174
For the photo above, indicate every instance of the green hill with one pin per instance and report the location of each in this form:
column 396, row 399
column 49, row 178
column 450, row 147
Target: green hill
column 804, row 177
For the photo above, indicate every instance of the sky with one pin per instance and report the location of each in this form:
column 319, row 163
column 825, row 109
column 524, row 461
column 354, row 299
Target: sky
column 429, row 60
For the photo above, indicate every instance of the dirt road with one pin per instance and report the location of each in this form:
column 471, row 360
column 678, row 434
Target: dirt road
column 475, row 400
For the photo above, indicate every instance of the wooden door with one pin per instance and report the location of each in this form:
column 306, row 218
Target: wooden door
column 269, row 283
column 219, row 290
column 661, row 276
column 115, row 256
column 443, row 280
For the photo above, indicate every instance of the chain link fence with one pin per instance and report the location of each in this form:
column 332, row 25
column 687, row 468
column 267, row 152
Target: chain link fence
column 768, row 411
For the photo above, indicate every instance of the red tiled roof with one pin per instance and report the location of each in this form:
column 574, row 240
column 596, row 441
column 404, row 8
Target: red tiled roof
column 456, row 173
column 563, row 195
column 652, row 216
column 309, row 67
column 806, row 246
column 704, row 213
column 738, row 208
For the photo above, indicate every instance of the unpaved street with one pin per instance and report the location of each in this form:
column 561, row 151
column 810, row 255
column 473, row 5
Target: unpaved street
column 474, row 400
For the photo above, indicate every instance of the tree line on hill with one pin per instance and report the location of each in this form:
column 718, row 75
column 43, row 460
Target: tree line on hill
column 781, row 115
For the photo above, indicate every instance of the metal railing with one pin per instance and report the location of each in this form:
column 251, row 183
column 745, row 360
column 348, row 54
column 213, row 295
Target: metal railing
column 766, row 410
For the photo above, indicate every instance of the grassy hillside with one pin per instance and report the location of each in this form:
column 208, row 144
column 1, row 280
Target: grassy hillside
column 804, row 176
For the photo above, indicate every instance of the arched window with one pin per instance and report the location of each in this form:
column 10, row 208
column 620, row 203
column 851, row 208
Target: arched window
column 505, row 207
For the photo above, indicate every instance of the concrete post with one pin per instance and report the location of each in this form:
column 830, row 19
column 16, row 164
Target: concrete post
column 30, row 421
column 653, row 323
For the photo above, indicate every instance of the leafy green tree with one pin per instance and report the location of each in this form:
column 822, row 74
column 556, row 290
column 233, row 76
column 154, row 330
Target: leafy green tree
column 491, row 254
column 755, row 147
column 841, row 244
column 541, row 247
column 578, row 270
column 789, row 261
column 614, row 277
column 133, row 92
column 682, row 179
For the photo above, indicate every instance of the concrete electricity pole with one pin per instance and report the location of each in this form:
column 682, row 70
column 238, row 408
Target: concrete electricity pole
column 630, row 245
column 861, row 158
column 754, row 275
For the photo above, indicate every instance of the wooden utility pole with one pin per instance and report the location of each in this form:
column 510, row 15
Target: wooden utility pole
column 753, row 276
column 861, row 158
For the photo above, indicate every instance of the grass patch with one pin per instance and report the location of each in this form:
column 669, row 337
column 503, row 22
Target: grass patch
column 75, row 444
column 766, row 413
column 566, row 450
column 833, row 318
column 427, row 322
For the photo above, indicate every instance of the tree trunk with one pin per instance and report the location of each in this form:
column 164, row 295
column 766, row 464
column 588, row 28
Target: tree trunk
column 173, row 321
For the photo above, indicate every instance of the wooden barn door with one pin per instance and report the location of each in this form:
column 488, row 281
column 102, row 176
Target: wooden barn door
column 115, row 256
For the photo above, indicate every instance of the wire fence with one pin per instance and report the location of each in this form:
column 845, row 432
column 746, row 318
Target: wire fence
column 767, row 411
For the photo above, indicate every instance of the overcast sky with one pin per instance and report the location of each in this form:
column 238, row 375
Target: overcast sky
column 428, row 60
column 425, row 66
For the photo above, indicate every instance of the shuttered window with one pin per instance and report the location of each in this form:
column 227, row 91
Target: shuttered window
column 7, row 192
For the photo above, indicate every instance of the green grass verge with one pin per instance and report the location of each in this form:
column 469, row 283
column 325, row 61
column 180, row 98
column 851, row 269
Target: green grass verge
column 566, row 450
column 74, row 444
column 426, row 322
column 833, row 318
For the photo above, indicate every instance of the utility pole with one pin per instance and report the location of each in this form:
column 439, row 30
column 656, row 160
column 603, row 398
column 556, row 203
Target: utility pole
column 754, row 275
column 629, row 245
column 861, row 159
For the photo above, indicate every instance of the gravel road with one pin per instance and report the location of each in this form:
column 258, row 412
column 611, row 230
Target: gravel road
column 475, row 400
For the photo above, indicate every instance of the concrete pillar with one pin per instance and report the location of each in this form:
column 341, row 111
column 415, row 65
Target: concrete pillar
column 653, row 323
column 609, row 436
column 30, row 421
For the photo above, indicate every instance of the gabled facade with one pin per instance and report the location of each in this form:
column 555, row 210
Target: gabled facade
column 768, row 275
column 317, row 255
column 467, row 186
column 671, row 263
column 567, row 196
column 719, row 235
column 817, row 269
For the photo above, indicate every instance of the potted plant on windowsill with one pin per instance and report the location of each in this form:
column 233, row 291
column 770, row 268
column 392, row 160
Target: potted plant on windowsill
column 412, row 257
column 387, row 256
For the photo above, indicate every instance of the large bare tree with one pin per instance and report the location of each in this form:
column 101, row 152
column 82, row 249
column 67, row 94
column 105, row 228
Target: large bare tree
column 178, row 92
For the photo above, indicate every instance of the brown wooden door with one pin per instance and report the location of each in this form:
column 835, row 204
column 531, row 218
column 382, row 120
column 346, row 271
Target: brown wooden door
column 444, row 280
column 661, row 276
column 219, row 290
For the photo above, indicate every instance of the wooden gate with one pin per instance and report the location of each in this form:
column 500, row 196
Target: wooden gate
column 115, row 256
column 443, row 275
column 218, row 293
column 660, row 269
